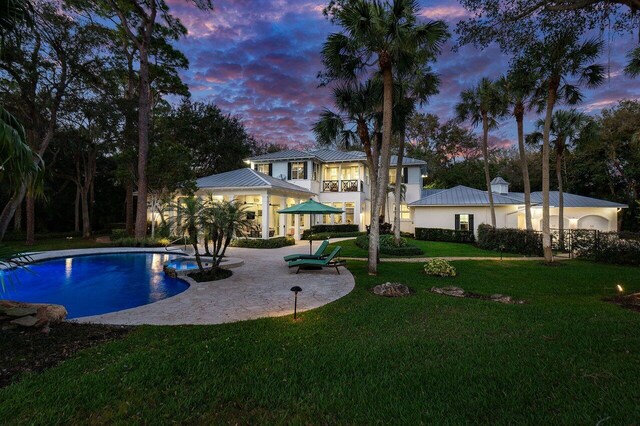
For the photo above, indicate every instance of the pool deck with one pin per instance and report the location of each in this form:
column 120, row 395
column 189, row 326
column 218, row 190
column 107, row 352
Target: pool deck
column 259, row 288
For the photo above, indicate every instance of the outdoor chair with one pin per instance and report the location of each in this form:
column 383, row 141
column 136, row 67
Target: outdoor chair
column 327, row 262
column 316, row 255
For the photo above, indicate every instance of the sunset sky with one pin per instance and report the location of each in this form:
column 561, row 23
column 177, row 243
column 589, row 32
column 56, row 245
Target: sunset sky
column 258, row 60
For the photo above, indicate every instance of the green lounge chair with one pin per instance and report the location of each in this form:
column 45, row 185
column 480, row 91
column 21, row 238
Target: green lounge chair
column 327, row 262
column 316, row 255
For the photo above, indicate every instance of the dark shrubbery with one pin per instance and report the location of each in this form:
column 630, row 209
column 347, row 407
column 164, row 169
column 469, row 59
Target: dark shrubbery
column 388, row 245
column 147, row 242
column 446, row 235
column 214, row 274
column 520, row 241
column 606, row 247
column 263, row 244
column 326, row 235
column 118, row 233
column 316, row 229
column 321, row 232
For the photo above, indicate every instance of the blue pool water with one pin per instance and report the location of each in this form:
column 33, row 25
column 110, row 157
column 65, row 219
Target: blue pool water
column 95, row 284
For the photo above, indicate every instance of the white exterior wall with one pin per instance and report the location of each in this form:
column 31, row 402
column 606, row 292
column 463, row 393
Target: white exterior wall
column 602, row 219
column 444, row 217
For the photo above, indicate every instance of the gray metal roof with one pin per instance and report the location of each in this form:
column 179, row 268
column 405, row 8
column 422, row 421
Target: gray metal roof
column 463, row 196
column 430, row 191
column 329, row 156
column 573, row 200
column 246, row 178
column 287, row 154
column 499, row 181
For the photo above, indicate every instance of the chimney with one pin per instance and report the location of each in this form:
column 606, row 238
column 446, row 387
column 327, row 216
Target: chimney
column 499, row 186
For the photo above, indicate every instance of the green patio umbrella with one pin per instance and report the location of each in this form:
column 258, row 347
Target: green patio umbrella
column 310, row 207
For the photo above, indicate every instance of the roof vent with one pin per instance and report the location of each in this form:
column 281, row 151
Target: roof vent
column 499, row 186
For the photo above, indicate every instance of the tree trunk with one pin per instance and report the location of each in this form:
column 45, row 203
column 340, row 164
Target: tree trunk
column 144, row 111
column 10, row 209
column 17, row 218
column 128, row 203
column 86, row 221
column 487, row 173
column 559, row 155
column 76, row 210
column 385, row 156
column 31, row 220
column 525, row 168
column 398, row 188
column 546, row 229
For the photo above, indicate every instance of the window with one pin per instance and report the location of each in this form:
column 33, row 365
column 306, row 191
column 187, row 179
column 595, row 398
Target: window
column 404, row 212
column 298, row 170
column 350, row 173
column 392, row 175
column 331, row 173
column 264, row 168
column 350, row 212
column 316, row 171
column 464, row 222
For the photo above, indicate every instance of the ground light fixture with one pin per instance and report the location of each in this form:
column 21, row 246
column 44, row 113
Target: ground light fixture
column 620, row 289
column 295, row 289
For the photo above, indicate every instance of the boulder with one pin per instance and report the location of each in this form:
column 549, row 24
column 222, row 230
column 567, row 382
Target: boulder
column 391, row 290
column 449, row 291
column 36, row 315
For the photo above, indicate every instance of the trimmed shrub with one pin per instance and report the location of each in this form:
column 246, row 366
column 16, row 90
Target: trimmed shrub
column 350, row 227
column 388, row 245
column 606, row 247
column 147, row 242
column 263, row 244
column 439, row 268
column 327, row 235
column 519, row 241
column 119, row 233
column 446, row 235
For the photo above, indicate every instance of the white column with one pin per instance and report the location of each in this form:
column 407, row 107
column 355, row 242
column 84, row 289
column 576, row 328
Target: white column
column 339, row 177
column 265, row 216
column 296, row 229
column 344, row 213
column 283, row 217
column 356, row 213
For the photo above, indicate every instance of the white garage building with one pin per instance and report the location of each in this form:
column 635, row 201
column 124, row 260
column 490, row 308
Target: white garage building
column 465, row 208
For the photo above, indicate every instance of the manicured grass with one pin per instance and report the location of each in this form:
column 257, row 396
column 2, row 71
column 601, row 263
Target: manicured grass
column 565, row 357
column 430, row 248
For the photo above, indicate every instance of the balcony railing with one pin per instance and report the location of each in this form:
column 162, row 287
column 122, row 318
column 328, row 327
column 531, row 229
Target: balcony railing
column 352, row 185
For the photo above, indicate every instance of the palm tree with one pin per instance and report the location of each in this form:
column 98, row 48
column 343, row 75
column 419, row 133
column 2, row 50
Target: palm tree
column 415, row 86
column 518, row 89
column 555, row 59
column 378, row 35
column 190, row 220
column 397, row 188
column 633, row 67
column 483, row 104
column 566, row 126
column 224, row 221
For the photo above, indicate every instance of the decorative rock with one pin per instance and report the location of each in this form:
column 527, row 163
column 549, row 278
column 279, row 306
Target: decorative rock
column 391, row 290
column 449, row 291
column 35, row 315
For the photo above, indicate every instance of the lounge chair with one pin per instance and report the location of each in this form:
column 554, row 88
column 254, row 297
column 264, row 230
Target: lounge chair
column 327, row 262
column 316, row 255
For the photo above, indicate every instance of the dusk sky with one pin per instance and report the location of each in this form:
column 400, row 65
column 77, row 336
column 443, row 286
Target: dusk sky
column 258, row 60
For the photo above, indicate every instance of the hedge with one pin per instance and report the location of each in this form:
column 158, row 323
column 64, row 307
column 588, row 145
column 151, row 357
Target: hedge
column 446, row 235
column 606, row 247
column 146, row 242
column 263, row 244
column 388, row 246
column 519, row 241
column 327, row 235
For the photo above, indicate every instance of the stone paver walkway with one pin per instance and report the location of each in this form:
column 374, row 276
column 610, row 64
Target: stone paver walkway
column 259, row 288
column 448, row 258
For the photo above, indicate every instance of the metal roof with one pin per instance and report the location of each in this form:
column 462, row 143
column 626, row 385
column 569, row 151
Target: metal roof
column 246, row 178
column 499, row 181
column 329, row 156
column 573, row 200
column 287, row 154
column 430, row 191
column 463, row 196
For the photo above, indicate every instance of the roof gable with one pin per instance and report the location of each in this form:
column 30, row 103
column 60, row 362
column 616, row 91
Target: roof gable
column 245, row 178
column 463, row 196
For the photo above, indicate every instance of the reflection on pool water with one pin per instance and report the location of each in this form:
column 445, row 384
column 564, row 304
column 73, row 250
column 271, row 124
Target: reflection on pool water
column 181, row 264
column 95, row 284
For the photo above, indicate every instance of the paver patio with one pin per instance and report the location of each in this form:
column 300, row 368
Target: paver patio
column 259, row 288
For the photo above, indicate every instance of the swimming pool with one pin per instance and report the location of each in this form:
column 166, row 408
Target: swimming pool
column 94, row 284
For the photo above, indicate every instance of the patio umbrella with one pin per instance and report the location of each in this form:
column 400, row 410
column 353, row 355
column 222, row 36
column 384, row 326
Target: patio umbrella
column 310, row 207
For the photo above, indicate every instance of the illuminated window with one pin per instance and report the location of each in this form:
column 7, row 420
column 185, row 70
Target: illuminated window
column 264, row 168
column 297, row 170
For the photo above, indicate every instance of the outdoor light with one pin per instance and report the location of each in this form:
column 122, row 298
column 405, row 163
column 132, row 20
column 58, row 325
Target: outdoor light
column 501, row 250
column 619, row 287
column 295, row 289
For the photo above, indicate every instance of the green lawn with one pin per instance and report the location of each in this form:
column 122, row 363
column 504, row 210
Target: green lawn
column 566, row 357
column 430, row 248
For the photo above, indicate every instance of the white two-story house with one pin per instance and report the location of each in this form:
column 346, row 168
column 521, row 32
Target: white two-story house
column 281, row 179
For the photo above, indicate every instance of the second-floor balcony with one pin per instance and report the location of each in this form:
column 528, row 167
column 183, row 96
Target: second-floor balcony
column 351, row 185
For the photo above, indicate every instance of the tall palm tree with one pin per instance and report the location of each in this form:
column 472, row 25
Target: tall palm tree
column 517, row 89
column 378, row 36
column 566, row 126
column 554, row 60
column 415, row 86
column 633, row 67
column 484, row 105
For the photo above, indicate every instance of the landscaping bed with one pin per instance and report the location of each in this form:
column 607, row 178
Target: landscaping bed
column 210, row 275
column 25, row 351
